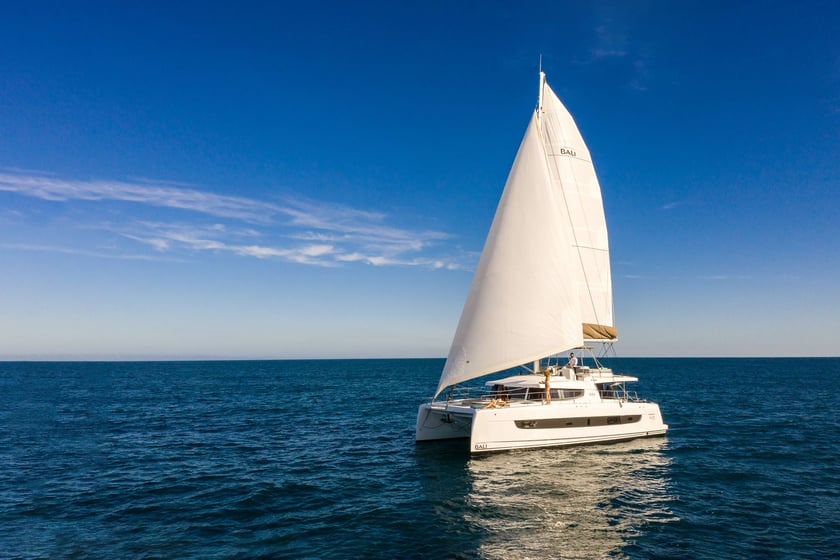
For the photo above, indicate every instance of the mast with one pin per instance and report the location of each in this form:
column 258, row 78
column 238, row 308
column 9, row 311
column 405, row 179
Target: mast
column 539, row 122
column 540, row 95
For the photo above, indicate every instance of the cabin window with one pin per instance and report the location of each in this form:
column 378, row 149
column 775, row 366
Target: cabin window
column 534, row 394
column 564, row 394
column 556, row 394
column 611, row 391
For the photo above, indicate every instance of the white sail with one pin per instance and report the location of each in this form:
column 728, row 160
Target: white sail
column 523, row 303
column 573, row 174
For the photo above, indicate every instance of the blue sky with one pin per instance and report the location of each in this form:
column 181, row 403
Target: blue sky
column 273, row 180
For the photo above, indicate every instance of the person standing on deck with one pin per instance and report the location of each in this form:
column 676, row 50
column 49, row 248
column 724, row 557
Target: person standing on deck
column 572, row 361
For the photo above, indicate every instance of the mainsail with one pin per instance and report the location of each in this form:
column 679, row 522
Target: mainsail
column 543, row 280
column 573, row 173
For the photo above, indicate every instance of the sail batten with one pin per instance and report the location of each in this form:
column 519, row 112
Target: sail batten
column 543, row 281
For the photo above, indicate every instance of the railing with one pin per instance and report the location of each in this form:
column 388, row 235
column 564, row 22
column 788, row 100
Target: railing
column 460, row 393
column 482, row 395
column 623, row 395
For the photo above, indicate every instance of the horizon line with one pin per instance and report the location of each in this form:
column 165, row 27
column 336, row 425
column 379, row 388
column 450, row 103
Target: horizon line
column 382, row 358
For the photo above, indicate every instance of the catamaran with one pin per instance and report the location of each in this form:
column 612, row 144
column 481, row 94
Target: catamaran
column 542, row 288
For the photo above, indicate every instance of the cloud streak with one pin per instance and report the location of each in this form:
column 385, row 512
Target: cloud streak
column 608, row 44
column 725, row 277
column 611, row 44
column 79, row 252
column 47, row 187
column 297, row 229
column 675, row 204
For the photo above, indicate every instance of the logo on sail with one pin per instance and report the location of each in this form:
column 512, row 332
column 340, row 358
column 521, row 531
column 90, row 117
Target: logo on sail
column 567, row 152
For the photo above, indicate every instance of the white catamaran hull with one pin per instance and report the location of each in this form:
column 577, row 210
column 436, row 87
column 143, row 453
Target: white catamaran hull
column 532, row 425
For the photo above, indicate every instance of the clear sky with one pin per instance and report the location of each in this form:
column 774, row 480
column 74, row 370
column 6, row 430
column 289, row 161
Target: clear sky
column 315, row 179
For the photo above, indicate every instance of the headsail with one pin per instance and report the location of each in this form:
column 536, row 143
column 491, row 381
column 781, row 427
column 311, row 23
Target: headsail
column 523, row 301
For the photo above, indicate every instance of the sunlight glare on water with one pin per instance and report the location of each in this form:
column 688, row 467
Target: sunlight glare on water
column 586, row 502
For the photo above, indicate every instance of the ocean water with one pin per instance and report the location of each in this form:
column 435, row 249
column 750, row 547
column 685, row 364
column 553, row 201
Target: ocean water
column 317, row 459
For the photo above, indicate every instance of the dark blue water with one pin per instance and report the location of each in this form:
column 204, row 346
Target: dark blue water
column 316, row 459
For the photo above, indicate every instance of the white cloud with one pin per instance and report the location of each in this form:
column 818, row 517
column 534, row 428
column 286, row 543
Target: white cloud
column 49, row 187
column 81, row 252
column 612, row 44
column 609, row 44
column 298, row 230
column 717, row 277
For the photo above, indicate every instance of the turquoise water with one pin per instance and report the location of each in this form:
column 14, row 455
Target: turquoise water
column 316, row 459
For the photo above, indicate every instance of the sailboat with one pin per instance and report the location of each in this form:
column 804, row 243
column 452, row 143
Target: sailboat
column 542, row 288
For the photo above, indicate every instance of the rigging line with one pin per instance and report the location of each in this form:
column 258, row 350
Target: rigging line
column 547, row 139
column 592, row 248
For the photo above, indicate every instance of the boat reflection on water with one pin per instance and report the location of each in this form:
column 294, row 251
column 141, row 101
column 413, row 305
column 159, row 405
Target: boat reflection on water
column 580, row 502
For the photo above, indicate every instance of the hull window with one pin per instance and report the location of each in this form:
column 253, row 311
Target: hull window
column 553, row 423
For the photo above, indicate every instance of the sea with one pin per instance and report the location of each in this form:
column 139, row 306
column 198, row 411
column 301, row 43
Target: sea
column 316, row 459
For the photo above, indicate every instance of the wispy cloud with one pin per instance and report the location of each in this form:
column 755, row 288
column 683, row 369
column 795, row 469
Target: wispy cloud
column 641, row 75
column 165, row 237
column 296, row 229
column 49, row 187
column 675, row 204
column 81, row 252
column 721, row 277
column 367, row 231
column 609, row 44
column 612, row 44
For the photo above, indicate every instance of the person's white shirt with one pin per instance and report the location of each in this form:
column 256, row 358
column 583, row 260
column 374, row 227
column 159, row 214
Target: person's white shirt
column 572, row 361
